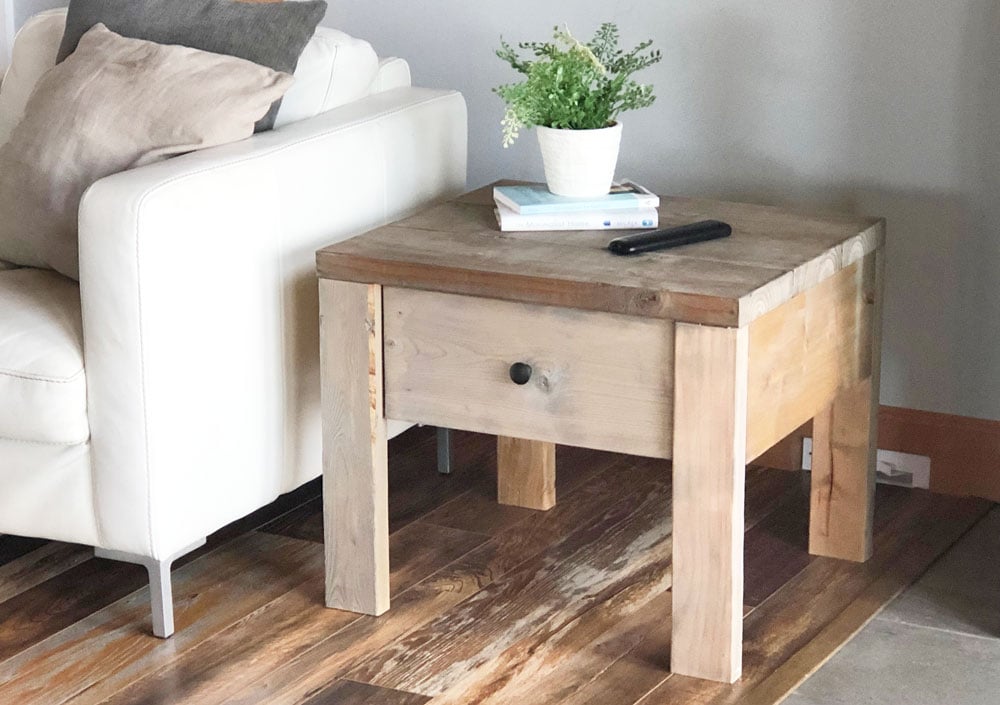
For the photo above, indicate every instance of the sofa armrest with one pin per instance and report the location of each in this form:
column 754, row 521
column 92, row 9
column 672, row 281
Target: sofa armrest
column 200, row 313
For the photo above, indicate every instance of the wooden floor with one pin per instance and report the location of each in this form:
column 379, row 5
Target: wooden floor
column 491, row 604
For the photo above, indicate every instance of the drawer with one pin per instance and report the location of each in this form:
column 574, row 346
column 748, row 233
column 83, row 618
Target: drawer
column 598, row 380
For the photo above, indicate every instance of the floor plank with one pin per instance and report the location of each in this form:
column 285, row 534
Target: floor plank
column 105, row 651
column 626, row 636
column 37, row 566
column 799, row 612
column 353, row 693
column 264, row 640
column 12, row 547
column 492, row 635
column 491, row 604
column 477, row 509
column 320, row 663
column 62, row 601
column 415, row 487
column 776, row 550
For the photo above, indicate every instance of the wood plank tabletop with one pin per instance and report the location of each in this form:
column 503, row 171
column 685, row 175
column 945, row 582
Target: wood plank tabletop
column 457, row 247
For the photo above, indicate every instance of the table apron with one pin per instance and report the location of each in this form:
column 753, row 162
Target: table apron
column 808, row 350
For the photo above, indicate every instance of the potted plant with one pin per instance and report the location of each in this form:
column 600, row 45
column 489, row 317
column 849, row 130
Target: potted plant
column 573, row 93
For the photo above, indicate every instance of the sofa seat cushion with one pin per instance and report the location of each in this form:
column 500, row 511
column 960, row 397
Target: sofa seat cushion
column 43, row 391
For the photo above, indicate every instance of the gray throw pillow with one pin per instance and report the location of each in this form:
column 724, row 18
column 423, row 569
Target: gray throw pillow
column 269, row 34
column 115, row 104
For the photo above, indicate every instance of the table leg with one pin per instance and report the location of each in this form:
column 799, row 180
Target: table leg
column 843, row 477
column 355, row 457
column 526, row 473
column 845, row 446
column 709, row 453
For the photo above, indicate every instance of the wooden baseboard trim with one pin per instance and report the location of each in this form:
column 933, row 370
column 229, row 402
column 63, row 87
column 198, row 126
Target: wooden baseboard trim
column 964, row 451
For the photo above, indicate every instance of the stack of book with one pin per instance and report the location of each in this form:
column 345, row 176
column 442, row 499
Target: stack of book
column 532, row 207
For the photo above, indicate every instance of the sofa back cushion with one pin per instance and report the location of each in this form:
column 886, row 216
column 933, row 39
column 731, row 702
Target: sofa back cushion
column 114, row 104
column 333, row 69
column 269, row 34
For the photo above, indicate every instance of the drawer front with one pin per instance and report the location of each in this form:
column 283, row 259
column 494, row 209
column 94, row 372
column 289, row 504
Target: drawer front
column 598, row 380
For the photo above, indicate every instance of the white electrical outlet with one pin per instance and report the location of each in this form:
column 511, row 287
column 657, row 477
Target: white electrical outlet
column 893, row 467
column 903, row 469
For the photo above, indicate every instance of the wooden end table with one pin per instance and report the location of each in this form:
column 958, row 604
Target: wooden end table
column 708, row 354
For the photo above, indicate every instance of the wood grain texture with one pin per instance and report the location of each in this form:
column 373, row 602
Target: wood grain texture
column 323, row 659
column 34, row 567
column 345, row 692
column 526, row 473
column 105, row 651
column 597, row 379
column 13, row 547
column 805, row 352
column 845, row 445
column 607, row 554
column 843, row 477
column 618, row 649
column 794, row 619
column 253, row 628
column 412, row 490
column 952, row 520
column 710, row 387
column 37, row 613
column 478, row 510
column 355, row 456
column 289, row 622
column 456, row 247
column 775, row 550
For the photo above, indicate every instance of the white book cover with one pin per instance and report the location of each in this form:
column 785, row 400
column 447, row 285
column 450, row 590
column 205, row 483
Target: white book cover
column 635, row 219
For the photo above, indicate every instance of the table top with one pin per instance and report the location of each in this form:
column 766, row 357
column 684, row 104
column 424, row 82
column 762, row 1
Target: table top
column 457, row 247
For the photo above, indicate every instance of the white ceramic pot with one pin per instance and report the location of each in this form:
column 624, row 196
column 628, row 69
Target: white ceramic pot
column 580, row 162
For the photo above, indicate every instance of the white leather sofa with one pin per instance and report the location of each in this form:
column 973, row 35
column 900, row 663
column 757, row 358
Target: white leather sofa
column 176, row 388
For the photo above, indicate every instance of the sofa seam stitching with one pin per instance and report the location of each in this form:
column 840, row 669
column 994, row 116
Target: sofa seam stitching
column 329, row 82
column 68, row 444
column 41, row 378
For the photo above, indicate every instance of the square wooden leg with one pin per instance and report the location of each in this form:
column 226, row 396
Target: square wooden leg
column 842, row 501
column 526, row 473
column 355, row 456
column 710, row 422
column 845, row 447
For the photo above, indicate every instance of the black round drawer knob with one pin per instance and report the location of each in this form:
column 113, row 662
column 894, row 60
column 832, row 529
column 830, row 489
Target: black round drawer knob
column 520, row 373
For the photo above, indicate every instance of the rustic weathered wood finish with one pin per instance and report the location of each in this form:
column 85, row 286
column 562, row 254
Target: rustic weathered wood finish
column 492, row 604
column 710, row 382
column 526, row 473
column 355, row 460
column 597, row 380
column 709, row 354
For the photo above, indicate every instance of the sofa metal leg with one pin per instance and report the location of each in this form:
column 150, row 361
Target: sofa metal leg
column 161, row 599
column 444, row 450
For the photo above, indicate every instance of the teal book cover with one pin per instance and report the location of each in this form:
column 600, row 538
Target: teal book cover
column 536, row 199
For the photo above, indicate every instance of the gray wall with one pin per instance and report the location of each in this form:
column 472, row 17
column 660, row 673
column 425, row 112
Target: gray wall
column 875, row 106
column 23, row 9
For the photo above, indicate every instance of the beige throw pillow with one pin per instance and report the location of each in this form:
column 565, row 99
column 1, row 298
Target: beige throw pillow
column 115, row 104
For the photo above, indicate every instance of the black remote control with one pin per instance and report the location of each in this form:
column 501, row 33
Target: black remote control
column 670, row 237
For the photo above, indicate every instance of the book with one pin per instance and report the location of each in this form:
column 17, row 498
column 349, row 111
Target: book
column 533, row 199
column 619, row 219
